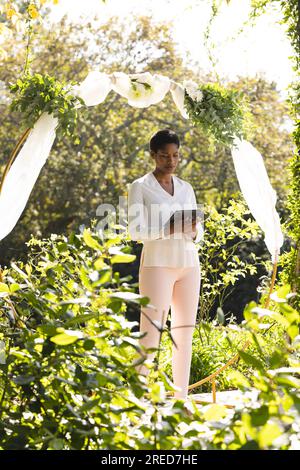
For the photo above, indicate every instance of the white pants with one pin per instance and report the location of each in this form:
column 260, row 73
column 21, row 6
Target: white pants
column 180, row 289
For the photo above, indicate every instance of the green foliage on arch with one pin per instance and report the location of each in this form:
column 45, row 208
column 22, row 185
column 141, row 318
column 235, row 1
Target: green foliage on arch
column 42, row 93
column 223, row 114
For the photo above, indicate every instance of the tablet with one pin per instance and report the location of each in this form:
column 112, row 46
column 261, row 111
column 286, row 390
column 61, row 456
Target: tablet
column 186, row 215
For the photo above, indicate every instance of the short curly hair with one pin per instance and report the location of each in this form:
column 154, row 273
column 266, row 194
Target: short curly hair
column 162, row 137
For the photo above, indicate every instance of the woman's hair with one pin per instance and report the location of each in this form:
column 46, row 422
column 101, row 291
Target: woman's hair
column 160, row 138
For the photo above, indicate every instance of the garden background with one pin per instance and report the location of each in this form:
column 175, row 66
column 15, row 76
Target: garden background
column 68, row 298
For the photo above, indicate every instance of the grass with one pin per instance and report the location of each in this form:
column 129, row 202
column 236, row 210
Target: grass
column 214, row 345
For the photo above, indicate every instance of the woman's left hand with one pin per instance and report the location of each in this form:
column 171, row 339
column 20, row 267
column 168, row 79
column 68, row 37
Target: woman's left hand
column 192, row 229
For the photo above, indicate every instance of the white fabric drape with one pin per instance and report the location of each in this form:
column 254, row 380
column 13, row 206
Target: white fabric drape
column 177, row 92
column 143, row 96
column 94, row 88
column 251, row 173
column 24, row 172
column 258, row 192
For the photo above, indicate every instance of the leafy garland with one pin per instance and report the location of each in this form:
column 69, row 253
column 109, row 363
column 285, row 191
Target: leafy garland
column 37, row 94
column 221, row 113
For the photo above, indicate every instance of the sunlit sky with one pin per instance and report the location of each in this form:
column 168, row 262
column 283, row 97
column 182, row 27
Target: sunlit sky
column 261, row 50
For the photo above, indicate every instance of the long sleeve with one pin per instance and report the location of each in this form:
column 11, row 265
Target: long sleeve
column 199, row 228
column 138, row 226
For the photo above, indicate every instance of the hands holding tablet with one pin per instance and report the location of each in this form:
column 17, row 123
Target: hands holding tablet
column 184, row 221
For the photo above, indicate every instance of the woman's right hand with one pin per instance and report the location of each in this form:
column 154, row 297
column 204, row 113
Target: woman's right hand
column 192, row 227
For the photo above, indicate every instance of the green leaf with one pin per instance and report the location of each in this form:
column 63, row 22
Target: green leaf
column 268, row 434
column 289, row 381
column 220, row 316
column 238, row 379
column 14, row 287
column 263, row 312
column 292, row 331
column 4, row 287
column 68, row 337
column 122, row 258
column 283, row 291
column 99, row 264
column 157, row 392
column 88, row 344
column 82, row 318
column 105, row 277
column 49, row 330
column 90, row 241
column 251, row 360
column 215, row 412
column 115, row 305
column 249, row 311
column 259, row 416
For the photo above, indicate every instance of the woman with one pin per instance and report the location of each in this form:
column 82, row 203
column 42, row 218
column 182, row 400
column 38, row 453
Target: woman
column 169, row 272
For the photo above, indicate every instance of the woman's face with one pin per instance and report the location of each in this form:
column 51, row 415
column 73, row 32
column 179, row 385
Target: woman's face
column 166, row 158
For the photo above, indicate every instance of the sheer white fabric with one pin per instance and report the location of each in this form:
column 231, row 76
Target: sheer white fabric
column 177, row 92
column 24, row 172
column 258, row 193
column 94, row 88
column 142, row 96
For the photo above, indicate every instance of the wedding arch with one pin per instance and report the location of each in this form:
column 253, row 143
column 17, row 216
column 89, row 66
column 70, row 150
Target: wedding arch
column 206, row 105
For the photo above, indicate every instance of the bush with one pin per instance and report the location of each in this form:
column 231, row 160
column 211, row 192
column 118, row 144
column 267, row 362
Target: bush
column 68, row 356
column 215, row 344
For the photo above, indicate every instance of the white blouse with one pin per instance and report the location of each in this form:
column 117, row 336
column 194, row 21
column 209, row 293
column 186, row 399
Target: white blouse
column 149, row 208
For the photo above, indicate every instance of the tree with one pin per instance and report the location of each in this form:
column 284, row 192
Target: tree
column 20, row 16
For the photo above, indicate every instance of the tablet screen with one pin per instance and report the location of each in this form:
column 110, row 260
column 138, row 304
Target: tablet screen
column 187, row 215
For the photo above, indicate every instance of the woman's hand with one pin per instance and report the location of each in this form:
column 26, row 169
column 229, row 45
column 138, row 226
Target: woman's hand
column 190, row 227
